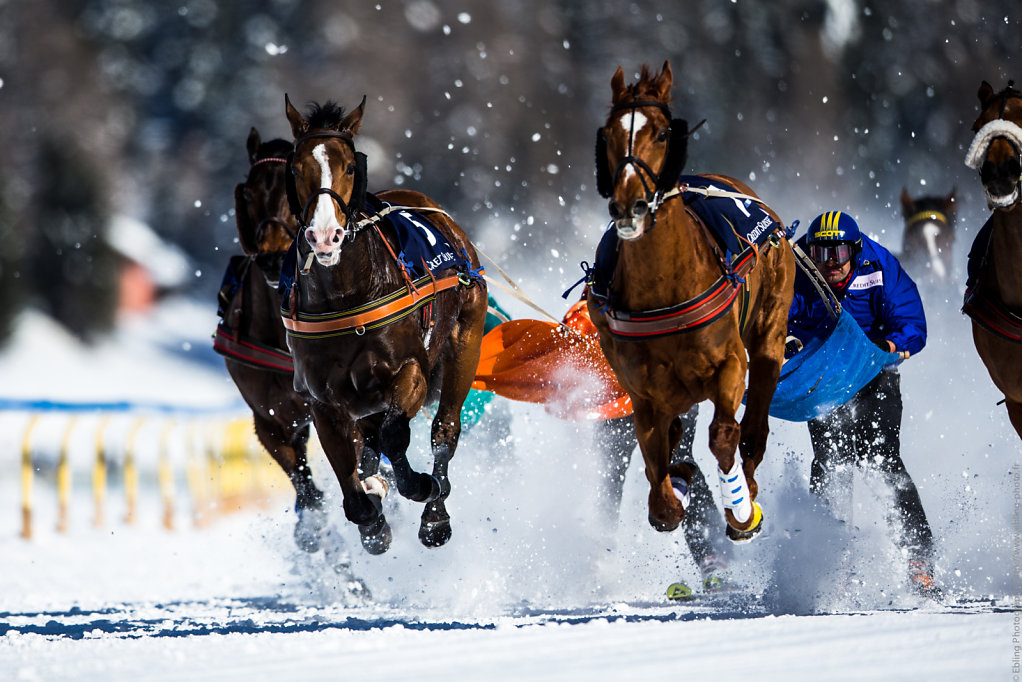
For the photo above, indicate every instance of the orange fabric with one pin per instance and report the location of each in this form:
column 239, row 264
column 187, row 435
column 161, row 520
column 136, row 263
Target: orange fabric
column 540, row 362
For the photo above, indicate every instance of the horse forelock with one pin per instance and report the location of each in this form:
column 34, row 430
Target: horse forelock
column 326, row 116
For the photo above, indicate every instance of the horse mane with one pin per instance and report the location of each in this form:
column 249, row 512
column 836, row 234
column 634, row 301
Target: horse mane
column 328, row 115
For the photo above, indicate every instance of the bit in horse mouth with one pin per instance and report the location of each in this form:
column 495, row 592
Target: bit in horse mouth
column 627, row 230
column 328, row 259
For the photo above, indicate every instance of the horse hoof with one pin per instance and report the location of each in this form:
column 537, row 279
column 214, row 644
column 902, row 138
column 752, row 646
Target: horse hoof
column 376, row 536
column 663, row 526
column 435, row 533
column 308, row 528
column 755, row 525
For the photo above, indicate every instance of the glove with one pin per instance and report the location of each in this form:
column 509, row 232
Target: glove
column 883, row 345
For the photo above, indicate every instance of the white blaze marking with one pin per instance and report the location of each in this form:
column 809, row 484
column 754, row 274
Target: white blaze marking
column 324, row 217
column 930, row 232
column 632, row 123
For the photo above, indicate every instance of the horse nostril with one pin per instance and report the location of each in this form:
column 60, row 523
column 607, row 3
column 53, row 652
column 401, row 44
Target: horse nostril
column 337, row 236
column 640, row 208
column 310, row 235
column 615, row 210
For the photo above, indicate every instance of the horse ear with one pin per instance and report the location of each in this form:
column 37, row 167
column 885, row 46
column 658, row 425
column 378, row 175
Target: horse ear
column 299, row 126
column 664, row 82
column 602, row 172
column 986, row 91
column 246, row 230
column 907, row 205
column 252, row 145
column 617, row 85
column 353, row 121
column 677, row 155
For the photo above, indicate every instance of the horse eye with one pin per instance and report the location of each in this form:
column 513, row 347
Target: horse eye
column 246, row 194
column 351, row 169
column 662, row 135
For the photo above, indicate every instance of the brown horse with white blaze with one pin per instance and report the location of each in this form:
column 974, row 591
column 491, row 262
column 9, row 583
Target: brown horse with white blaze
column 371, row 345
column 994, row 297
column 667, row 260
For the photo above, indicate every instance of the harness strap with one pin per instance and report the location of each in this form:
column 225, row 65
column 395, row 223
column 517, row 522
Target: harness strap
column 372, row 315
column 693, row 314
column 252, row 353
column 992, row 315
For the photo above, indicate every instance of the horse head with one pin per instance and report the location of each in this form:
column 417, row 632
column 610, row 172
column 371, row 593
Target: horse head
column 325, row 175
column 265, row 226
column 640, row 151
column 929, row 232
column 996, row 150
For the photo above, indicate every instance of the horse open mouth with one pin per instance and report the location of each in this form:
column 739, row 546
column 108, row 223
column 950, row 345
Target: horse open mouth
column 627, row 229
column 328, row 259
column 1004, row 200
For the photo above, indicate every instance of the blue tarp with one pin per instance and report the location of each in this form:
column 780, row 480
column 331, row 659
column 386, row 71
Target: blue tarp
column 827, row 372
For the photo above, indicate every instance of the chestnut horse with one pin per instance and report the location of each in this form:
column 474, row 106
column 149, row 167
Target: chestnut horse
column 994, row 297
column 370, row 346
column 929, row 236
column 660, row 275
column 251, row 336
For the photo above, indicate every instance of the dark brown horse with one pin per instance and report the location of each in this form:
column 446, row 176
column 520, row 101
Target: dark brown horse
column 251, row 336
column 994, row 298
column 370, row 346
column 665, row 359
column 929, row 236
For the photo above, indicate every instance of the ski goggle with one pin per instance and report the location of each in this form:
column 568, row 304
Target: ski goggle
column 840, row 253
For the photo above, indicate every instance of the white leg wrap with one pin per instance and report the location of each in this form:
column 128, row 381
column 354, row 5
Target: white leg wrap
column 734, row 491
column 374, row 485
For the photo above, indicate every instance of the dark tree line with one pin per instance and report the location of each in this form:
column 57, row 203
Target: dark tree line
column 142, row 107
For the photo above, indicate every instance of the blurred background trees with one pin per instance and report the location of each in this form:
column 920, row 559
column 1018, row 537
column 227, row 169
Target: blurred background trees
column 141, row 108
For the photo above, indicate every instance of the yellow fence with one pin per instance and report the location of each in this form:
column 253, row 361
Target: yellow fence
column 218, row 461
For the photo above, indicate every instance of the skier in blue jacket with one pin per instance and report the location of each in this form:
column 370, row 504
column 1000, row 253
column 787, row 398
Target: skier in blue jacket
column 866, row 431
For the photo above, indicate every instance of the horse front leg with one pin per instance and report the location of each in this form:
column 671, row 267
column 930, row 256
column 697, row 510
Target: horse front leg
column 409, row 391
column 341, row 442
column 288, row 449
column 744, row 517
column 653, row 431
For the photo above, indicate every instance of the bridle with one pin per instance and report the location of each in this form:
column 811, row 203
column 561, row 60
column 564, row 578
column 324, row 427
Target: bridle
column 643, row 170
column 271, row 220
column 301, row 211
column 998, row 128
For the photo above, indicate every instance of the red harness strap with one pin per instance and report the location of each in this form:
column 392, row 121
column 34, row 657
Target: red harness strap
column 250, row 352
column 992, row 315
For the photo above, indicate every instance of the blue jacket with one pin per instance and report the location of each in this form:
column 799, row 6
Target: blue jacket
column 881, row 297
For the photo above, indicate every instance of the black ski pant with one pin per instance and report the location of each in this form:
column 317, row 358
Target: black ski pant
column 866, row 431
column 615, row 442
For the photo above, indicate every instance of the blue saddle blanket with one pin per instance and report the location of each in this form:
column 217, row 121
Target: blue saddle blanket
column 735, row 223
column 421, row 247
column 827, row 372
column 726, row 218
